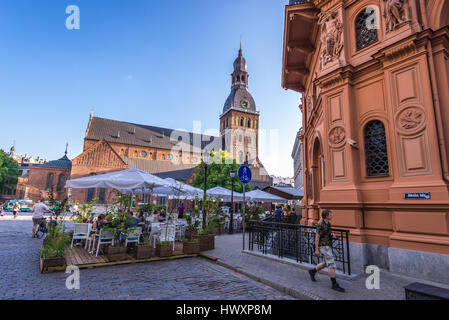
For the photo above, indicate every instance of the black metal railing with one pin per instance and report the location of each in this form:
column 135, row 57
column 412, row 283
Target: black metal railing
column 298, row 1
column 297, row 242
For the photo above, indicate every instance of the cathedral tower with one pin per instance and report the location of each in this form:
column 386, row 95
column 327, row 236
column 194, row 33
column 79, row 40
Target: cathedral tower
column 239, row 122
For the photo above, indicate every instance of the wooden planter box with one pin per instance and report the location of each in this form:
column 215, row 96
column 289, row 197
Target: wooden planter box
column 164, row 250
column 116, row 253
column 145, row 252
column 46, row 263
column 207, row 242
column 191, row 248
column 191, row 233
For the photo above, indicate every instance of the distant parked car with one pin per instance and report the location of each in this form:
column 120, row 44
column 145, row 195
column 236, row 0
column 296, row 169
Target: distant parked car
column 25, row 205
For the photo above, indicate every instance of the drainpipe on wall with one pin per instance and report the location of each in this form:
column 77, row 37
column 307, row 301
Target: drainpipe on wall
column 437, row 111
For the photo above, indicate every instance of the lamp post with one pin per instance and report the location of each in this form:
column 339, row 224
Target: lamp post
column 231, row 226
column 206, row 157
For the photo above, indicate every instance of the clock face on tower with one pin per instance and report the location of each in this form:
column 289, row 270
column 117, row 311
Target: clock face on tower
column 244, row 103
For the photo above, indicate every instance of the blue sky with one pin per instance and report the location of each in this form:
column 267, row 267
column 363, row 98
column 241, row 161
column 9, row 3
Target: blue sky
column 158, row 62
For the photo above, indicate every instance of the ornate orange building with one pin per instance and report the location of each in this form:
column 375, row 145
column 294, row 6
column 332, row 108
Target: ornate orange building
column 374, row 79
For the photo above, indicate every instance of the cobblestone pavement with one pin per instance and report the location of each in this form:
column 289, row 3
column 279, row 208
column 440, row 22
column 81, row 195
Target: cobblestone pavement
column 189, row 279
column 228, row 250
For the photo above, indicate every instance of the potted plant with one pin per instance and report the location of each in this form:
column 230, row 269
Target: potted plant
column 254, row 215
column 206, row 239
column 191, row 245
column 52, row 253
column 117, row 251
column 144, row 250
column 85, row 212
column 192, row 225
column 164, row 249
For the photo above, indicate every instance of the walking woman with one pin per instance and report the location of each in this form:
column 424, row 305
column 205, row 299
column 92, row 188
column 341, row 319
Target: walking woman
column 16, row 209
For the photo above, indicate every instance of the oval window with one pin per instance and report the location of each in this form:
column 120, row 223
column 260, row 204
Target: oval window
column 143, row 154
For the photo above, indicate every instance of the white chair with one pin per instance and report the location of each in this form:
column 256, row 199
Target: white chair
column 133, row 237
column 155, row 232
column 179, row 232
column 81, row 232
column 105, row 237
column 168, row 234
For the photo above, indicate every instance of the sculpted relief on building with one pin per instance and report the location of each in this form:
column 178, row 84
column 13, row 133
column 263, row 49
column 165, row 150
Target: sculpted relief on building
column 396, row 13
column 331, row 37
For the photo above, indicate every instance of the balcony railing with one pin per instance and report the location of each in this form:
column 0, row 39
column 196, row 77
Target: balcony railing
column 298, row 1
column 297, row 242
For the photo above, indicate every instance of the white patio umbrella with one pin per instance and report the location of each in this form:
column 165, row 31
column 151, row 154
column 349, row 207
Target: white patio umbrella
column 175, row 189
column 259, row 196
column 130, row 180
column 223, row 193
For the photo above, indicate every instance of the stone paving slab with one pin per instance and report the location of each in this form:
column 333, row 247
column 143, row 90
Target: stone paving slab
column 186, row 279
column 296, row 281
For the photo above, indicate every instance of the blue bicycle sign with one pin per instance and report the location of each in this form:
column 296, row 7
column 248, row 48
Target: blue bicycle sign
column 244, row 174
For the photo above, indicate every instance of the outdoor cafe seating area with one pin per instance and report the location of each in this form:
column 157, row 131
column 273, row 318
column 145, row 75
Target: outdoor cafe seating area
column 154, row 234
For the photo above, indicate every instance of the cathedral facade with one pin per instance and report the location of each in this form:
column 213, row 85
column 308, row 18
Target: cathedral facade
column 111, row 145
column 374, row 79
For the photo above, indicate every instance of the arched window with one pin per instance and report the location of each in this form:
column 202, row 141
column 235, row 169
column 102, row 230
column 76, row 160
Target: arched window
column 376, row 149
column 50, row 181
column 61, row 182
column 366, row 28
column 90, row 195
column 241, row 122
column 101, row 195
column 135, row 154
column 249, row 140
column 249, row 123
column 122, row 152
column 240, row 156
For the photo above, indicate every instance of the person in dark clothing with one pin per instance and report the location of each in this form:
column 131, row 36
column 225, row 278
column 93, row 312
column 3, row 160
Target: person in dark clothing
column 279, row 214
column 323, row 246
column 181, row 211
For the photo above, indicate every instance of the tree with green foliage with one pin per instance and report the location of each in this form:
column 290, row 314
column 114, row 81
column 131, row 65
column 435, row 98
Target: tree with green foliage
column 219, row 173
column 9, row 172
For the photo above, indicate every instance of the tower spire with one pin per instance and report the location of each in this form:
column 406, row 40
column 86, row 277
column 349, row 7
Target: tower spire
column 66, row 146
column 240, row 50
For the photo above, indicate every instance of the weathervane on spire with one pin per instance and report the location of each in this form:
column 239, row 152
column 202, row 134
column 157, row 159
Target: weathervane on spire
column 66, row 146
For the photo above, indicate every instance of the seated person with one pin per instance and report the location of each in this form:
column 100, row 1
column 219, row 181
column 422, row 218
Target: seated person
column 96, row 226
column 131, row 221
column 141, row 217
column 162, row 215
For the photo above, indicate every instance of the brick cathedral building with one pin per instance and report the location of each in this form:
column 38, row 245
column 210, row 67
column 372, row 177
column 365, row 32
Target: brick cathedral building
column 111, row 145
column 374, row 79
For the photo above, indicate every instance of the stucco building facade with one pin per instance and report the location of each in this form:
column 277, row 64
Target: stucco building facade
column 374, row 79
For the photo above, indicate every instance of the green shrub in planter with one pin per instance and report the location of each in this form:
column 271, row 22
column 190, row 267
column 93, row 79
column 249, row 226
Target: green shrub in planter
column 145, row 251
column 164, row 249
